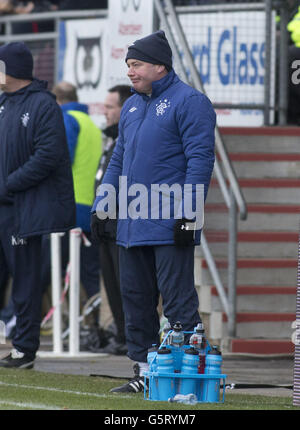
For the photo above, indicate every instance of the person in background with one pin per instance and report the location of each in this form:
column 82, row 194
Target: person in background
column 36, row 190
column 109, row 252
column 6, row 7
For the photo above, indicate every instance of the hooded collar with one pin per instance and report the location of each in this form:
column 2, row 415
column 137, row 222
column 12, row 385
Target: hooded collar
column 159, row 86
column 35, row 86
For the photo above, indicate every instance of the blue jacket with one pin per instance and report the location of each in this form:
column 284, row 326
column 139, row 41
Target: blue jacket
column 72, row 126
column 167, row 138
column 35, row 168
column 83, row 211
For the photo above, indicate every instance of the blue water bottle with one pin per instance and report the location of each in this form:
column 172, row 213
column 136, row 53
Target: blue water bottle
column 153, row 380
column 151, row 358
column 211, row 386
column 189, row 366
column 165, row 365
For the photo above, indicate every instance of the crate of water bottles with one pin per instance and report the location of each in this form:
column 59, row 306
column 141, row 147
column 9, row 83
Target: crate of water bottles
column 184, row 373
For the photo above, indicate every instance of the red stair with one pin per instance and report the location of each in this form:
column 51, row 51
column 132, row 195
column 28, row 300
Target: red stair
column 267, row 274
column 262, row 346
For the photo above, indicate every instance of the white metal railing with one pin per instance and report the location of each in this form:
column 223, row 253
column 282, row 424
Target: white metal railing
column 73, row 272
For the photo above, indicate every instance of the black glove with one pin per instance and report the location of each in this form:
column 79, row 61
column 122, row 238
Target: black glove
column 5, row 196
column 99, row 233
column 184, row 232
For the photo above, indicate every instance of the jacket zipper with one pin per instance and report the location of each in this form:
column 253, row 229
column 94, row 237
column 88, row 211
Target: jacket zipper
column 134, row 156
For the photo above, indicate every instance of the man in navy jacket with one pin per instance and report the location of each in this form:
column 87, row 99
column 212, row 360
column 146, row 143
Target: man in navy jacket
column 85, row 144
column 160, row 171
column 36, row 189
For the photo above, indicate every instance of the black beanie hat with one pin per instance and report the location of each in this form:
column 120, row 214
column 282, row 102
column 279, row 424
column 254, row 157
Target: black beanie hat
column 18, row 60
column 154, row 49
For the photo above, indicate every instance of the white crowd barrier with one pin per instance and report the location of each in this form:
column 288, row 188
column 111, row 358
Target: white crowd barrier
column 75, row 239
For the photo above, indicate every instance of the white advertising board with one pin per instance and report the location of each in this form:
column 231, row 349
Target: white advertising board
column 129, row 20
column 82, row 61
column 92, row 51
column 229, row 51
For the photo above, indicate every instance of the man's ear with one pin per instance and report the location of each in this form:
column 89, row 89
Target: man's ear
column 161, row 68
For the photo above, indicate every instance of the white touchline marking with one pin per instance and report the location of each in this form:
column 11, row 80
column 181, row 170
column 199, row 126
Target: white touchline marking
column 80, row 393
column 28, row 405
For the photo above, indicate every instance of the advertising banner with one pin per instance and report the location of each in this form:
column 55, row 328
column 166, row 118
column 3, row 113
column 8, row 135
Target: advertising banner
column 82, row 61
column 229, row 51
column 92, row 51
column 129, row 20
column 228, row 48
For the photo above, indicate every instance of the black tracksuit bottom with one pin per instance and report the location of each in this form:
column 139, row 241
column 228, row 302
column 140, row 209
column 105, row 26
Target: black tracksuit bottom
column 109, row 257
column 22, row 257
column 145, row 273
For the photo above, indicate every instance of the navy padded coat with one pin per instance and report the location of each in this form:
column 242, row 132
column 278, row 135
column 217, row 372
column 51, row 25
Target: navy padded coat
column 35, row 167
column 167, row 138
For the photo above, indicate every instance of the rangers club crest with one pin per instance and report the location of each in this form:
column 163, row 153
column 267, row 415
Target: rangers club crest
column 162, row 106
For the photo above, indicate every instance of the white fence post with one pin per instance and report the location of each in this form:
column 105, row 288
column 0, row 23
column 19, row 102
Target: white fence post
column 75, row 237
column 56, row 292
column 74, row 312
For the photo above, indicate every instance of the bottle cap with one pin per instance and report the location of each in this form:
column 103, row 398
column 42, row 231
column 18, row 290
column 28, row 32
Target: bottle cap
column 191, row 351
column 214, row 350
column 177, row 326
column 199, row 328
column 153, row 348
column 163, row 350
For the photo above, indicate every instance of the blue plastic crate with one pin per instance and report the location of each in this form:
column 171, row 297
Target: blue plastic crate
column 201, row 385
column 162, row 386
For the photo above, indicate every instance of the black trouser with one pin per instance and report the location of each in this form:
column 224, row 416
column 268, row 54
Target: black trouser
column 109, row 257
column 23, row 260
column 146, row 272
column 4, row 277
